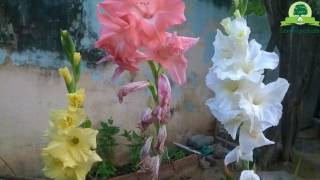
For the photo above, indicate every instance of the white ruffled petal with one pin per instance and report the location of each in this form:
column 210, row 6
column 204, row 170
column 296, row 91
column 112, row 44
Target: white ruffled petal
column 232, row 156
column 236, row 154
column 249, row 175
column 275, row 91
column 251, row 139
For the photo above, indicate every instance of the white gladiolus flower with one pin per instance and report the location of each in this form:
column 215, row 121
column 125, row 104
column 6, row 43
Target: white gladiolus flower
column 262, row 103
column 227, row 50
column 224, row 106
column 236, row 28
column 226, row 114
column 225, row 89
column 249, row 175
column 241, row 99
column 252, row 66
column 250, row 139
column 236, row 154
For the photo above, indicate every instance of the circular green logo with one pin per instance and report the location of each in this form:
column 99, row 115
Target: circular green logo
column 300, row 10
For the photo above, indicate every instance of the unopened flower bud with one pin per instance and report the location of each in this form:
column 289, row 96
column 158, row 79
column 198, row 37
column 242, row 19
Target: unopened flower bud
column 77, row 58
column 65, row 73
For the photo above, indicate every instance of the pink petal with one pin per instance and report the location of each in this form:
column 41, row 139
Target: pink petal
column 131, row 87
column 147, row 118
column 169, row 52
column 105, row 59
column 164, row 90
column 177, row 67
column 146, row 148
column 162, row 136
column 117, row 72
column 155, row 167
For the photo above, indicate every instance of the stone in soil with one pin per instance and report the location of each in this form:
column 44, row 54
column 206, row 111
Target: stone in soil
column 198, row 141
column 219, row 151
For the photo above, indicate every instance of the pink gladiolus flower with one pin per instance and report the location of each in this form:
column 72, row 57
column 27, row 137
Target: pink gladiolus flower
column 169, row 52
column 148, row 163
column 118, row 37
column 155, row 165
column 152, row 16
column 131, row 87
column 147, row 118
column 119, row 32
column 146, row 148
column 162, row 113
column 164, row 90
column 162, row 136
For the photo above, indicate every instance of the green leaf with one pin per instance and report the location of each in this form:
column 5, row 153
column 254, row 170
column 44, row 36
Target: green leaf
column 296, row 172
column 243, row 6
column 154, row 70
column 256, row 7
column 105, row 170
column 87, row 124
column 110, row 121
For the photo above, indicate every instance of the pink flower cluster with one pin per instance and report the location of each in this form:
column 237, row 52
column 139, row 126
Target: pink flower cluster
column 133, row 31
column 162, row 112
column 159, row 115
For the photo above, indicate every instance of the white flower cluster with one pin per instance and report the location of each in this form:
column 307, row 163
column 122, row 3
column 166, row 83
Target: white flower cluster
column 242, row 101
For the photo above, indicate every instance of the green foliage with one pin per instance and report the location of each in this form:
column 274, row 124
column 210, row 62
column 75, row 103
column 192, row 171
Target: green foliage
column 136, row 142
column 256, row 7
column 173, row 153
column 87, row 124
column 106, row 143
column 247, row 7
column 106, row 139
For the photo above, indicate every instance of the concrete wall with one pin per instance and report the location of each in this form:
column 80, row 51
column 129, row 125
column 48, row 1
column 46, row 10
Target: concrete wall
column 30, row 85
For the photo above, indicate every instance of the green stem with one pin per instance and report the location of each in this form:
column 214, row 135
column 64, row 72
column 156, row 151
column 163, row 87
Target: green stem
column 243, row 7
column 153, row 90
column 245, row 165
column 154, row 70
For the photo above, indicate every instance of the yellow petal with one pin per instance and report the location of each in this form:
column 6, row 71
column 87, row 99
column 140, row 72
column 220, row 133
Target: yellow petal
column 76, row 99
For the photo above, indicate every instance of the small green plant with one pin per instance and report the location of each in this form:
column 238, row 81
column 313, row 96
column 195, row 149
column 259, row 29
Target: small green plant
column 106, row 143
column 173, row 153
column 136, row 142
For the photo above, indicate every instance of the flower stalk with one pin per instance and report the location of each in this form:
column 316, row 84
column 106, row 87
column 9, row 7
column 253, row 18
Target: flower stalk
column 243, row 103
column 146, row 39
column 70, row 153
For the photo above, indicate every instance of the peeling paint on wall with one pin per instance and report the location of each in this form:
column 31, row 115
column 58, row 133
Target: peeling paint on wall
column 45, row 59
column 92, row 25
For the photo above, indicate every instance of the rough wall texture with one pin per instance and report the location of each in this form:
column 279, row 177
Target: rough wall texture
column 30, row 85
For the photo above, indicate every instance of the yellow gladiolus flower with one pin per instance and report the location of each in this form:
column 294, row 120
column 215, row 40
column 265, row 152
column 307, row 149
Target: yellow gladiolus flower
column 65, row 73
column 55, row 168
column 73, row 146
column 77, row 58
column 65, row 119
column 76, row 99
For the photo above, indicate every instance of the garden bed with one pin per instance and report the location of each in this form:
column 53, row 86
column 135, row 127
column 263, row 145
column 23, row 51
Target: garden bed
column 167, row 170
